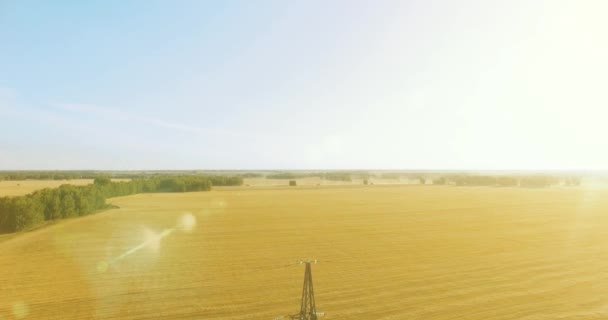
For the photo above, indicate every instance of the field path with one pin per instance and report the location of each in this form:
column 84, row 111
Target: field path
column 385, row 252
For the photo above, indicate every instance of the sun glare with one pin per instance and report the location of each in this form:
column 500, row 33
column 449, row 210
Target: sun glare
column 186, row 222
column 152, row 239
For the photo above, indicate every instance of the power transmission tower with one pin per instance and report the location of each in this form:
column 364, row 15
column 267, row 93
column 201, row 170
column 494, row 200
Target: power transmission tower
column 308, row 309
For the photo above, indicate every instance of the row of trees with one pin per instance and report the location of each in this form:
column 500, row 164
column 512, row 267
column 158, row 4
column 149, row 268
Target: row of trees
column 534, row 181
column 47, row 175
column 336, row 176
column 87, row 174
column 225, row 180
column 24, row 212
column 285, row 175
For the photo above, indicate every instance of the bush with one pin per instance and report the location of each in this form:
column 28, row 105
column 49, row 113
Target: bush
column 102, row 181
column 439, row 181
column 292, row 183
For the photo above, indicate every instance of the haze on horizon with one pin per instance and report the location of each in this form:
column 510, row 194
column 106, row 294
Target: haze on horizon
column 511, row 85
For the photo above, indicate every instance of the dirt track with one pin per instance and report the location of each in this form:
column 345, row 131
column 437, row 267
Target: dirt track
column 386, row 252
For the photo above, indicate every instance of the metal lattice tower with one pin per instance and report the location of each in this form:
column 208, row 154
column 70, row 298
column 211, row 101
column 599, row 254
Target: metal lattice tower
column 308, row 310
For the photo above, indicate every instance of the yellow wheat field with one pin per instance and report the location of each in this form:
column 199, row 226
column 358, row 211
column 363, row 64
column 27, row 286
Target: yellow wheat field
column 385, row 252
column 23, row 187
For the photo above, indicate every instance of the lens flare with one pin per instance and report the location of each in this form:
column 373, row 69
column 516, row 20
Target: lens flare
column 151, row 240
column 186, row 222
column 20, row 310
column 102, row 266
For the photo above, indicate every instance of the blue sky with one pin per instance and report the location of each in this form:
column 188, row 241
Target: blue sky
column 303, row 85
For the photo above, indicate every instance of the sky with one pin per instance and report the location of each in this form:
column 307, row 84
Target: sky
column 341, row 84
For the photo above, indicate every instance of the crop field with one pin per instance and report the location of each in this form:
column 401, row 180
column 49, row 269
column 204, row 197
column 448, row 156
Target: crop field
column 317, row 181
column 23, row 187
column 19, row 188
column 384, row 252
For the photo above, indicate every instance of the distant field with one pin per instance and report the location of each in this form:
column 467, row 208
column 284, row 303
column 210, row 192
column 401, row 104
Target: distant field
column 19, row 188
column 314, row 181
column 386, row 252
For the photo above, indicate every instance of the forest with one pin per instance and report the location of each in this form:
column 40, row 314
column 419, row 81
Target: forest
column 25, row 212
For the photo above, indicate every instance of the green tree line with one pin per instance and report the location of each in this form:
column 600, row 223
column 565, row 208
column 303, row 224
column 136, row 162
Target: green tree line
column 24, row 212
column 327, row 175
column 336, row 176
column 46, row 175
column 75, row 174
column 531, row 181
